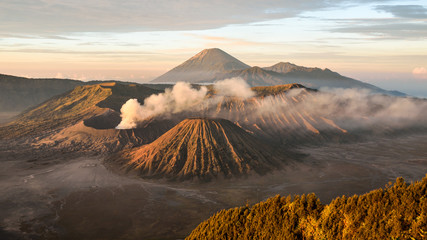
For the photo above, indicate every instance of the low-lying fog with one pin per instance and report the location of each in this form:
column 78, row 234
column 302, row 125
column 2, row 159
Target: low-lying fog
column 81, row 199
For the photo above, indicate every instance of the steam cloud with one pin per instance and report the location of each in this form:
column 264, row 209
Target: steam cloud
column 348, row 108
column 182, row 97
column 233, row 87
column 354, row 108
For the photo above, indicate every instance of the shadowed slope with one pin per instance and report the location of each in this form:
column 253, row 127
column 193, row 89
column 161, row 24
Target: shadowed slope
column 200, row 148
column 19, row 93
column 318, row 78
column 287, row 73
column 254, row 76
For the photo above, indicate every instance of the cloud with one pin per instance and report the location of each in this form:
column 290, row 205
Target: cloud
column 227, row 41
column 384, row 28
column 405, row 11
column 52, row 17
column 234, row 87
column 420, row 72
column 408, row 22
column 74, row 76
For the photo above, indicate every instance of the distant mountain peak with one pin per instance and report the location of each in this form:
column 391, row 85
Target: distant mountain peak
column 285, row 64
column 286, row 67
column 209, row 52
column 214, row 59
column 203, row 66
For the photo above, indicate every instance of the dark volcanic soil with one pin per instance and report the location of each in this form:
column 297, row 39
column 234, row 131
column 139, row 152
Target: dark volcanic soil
column 80, row 199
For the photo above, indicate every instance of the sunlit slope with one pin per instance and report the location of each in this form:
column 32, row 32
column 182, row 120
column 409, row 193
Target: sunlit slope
column 200, row 149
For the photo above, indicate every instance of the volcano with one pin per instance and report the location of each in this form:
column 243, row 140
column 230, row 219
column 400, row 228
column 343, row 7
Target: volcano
column 202, row 149
column 203, row 66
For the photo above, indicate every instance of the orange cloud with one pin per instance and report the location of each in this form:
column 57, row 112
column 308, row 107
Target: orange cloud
column 225, row 40
column 420, row 73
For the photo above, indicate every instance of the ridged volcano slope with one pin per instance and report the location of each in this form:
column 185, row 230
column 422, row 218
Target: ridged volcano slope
column 200, row 148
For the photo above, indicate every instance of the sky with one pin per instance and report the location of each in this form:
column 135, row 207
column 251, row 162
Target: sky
column 382, row 42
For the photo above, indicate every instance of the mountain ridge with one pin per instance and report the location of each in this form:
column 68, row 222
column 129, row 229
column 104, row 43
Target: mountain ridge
column 196, row 70
column 19, row 93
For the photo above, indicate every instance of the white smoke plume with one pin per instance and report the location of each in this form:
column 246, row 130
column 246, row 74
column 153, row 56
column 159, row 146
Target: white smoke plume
column 233, row 87
column 362, row 104
column 182, row 97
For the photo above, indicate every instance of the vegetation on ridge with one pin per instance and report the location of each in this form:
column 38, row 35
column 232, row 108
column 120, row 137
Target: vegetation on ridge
column 397, row 212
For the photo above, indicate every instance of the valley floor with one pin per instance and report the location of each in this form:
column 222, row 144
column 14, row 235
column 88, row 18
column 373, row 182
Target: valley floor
column 81, row 199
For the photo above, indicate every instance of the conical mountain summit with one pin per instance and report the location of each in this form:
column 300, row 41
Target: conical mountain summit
column 202, row 149
column 202, row 66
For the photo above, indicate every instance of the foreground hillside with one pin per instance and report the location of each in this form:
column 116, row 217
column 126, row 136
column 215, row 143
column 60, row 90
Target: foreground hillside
column 396, row 212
